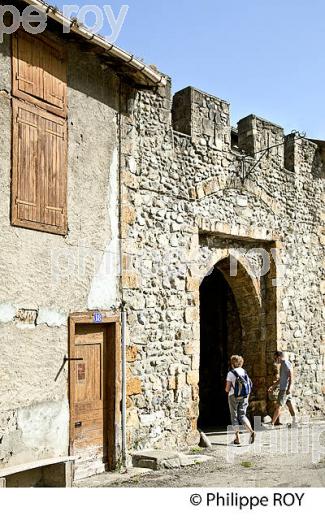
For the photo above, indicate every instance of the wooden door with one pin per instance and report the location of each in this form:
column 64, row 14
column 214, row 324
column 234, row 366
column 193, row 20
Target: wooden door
column 89, row 388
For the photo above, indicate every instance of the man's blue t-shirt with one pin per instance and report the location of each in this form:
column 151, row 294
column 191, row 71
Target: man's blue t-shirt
column 284, row 374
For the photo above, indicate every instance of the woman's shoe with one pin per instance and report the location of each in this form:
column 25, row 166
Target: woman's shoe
column 237, row 441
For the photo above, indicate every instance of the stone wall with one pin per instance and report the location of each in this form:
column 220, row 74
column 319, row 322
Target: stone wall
column 192, row 200
column 45, row 277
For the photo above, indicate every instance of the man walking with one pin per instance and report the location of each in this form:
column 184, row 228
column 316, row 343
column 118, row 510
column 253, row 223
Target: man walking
column 285, row 383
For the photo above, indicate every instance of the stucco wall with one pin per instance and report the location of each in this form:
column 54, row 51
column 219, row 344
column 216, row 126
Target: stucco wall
column 50, row 275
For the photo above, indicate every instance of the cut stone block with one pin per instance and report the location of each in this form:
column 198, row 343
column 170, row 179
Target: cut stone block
column 155, row 459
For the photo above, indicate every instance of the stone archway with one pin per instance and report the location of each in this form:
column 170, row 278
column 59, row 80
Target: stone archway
column 231, row 322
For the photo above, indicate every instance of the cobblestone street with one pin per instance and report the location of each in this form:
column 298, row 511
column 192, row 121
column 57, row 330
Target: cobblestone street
column 280, row 458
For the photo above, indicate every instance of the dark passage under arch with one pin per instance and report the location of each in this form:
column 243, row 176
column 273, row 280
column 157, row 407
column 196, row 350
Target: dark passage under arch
column 221, row 336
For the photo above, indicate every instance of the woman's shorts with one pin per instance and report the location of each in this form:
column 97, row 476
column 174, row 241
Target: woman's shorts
column 237, row 407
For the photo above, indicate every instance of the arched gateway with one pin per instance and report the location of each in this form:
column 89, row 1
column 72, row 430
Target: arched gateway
column 232, row 321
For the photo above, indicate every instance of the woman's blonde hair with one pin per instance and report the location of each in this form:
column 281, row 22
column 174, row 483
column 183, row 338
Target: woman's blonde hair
column 236, row 361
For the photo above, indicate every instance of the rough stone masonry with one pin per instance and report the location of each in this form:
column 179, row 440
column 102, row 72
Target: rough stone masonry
column 196, row 194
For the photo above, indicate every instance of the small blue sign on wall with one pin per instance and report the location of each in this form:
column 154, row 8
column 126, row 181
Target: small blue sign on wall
column 98, row 317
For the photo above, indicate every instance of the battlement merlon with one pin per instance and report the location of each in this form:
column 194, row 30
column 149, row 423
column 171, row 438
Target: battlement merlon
column 206, row 119
column 203, row 117
column 256, row 134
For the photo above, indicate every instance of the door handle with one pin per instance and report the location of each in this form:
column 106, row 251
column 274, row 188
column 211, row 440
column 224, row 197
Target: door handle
column 66, row 358
column 78, row 424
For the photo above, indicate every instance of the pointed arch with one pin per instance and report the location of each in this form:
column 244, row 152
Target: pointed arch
column 247, row 297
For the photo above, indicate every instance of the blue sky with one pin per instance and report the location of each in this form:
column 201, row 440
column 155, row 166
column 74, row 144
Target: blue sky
column 265, row 57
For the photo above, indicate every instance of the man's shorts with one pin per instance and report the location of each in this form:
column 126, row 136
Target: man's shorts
column 283, row 397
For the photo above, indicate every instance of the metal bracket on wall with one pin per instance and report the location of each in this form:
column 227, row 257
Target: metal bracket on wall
column 245, row 174
column 65, row 359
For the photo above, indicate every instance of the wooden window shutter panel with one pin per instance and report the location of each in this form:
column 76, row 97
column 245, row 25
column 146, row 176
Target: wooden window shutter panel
column 27, row 73
column 39, row 72
column 39, row 169
column 25, row 198
column 54, row 78
column 53, row 172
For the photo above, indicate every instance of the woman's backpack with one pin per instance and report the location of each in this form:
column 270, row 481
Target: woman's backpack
column 243, row 385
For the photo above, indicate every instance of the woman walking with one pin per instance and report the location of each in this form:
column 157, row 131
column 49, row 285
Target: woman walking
column 238, row 388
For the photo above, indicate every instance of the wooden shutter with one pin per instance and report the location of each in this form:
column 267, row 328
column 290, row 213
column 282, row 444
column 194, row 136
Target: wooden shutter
column 39, row 169
column 53, row 171
column 28, row 77
column 54, row 79
column 39, row 72
column 25, row 164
